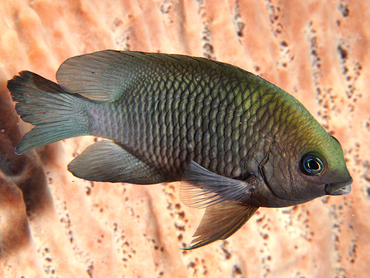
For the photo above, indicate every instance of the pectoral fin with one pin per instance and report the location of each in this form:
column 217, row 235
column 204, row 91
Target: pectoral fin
column 109, row 162
column 221, row 221
column 201, row 188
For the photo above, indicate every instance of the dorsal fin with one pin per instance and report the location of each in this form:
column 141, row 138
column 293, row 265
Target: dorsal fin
column 100, row 76
column 106, row 75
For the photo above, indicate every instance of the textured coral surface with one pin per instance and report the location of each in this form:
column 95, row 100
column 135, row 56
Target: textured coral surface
column 55, row 225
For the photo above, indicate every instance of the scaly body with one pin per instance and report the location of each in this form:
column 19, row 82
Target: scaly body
column 171, row 117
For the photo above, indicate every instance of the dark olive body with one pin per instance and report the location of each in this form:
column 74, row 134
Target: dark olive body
column 236, row 141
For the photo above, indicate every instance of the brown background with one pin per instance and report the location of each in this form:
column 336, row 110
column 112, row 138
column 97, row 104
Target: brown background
column 316, row 50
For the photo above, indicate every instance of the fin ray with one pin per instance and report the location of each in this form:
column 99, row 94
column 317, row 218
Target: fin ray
column 221, row 221
column 201, row 188
column 106, row 75
column 97, row 76
column 107, row 161
column 55, row 114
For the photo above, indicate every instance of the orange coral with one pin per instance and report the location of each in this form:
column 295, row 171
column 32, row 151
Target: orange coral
column 53, row 224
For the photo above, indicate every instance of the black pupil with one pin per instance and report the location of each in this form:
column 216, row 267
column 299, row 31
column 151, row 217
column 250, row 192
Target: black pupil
column 313, row 165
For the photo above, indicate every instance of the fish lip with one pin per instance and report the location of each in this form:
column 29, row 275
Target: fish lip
column 339, row 188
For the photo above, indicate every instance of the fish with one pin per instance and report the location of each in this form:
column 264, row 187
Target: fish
column 233, row 140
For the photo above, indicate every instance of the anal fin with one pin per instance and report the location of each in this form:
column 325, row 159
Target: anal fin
column 221, row 221
column 107, row 161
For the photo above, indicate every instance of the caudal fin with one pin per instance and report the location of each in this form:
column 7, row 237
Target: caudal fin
column 56, row 114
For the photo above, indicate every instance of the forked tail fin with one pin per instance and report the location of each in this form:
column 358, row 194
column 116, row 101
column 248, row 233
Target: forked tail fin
column 56, row 114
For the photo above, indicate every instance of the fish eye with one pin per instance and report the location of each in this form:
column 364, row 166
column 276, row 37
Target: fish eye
column 312, row 165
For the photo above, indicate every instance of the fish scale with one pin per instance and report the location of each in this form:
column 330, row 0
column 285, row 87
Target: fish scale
column 205, row 123
column 235, row 141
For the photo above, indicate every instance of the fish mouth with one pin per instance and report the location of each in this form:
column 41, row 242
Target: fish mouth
column 339, row 188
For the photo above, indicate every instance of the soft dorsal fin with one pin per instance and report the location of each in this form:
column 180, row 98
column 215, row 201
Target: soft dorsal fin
column 109, row 162
column 106, row 75
column 100, row 76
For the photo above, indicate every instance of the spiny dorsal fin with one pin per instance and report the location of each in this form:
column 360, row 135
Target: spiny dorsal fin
column 221, row 221
column 106, row 75
column 109, row 162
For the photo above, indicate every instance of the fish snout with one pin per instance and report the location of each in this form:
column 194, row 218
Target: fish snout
column 339, row 188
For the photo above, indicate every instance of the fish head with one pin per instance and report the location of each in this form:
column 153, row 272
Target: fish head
column 324, row 168
column 304, row 167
